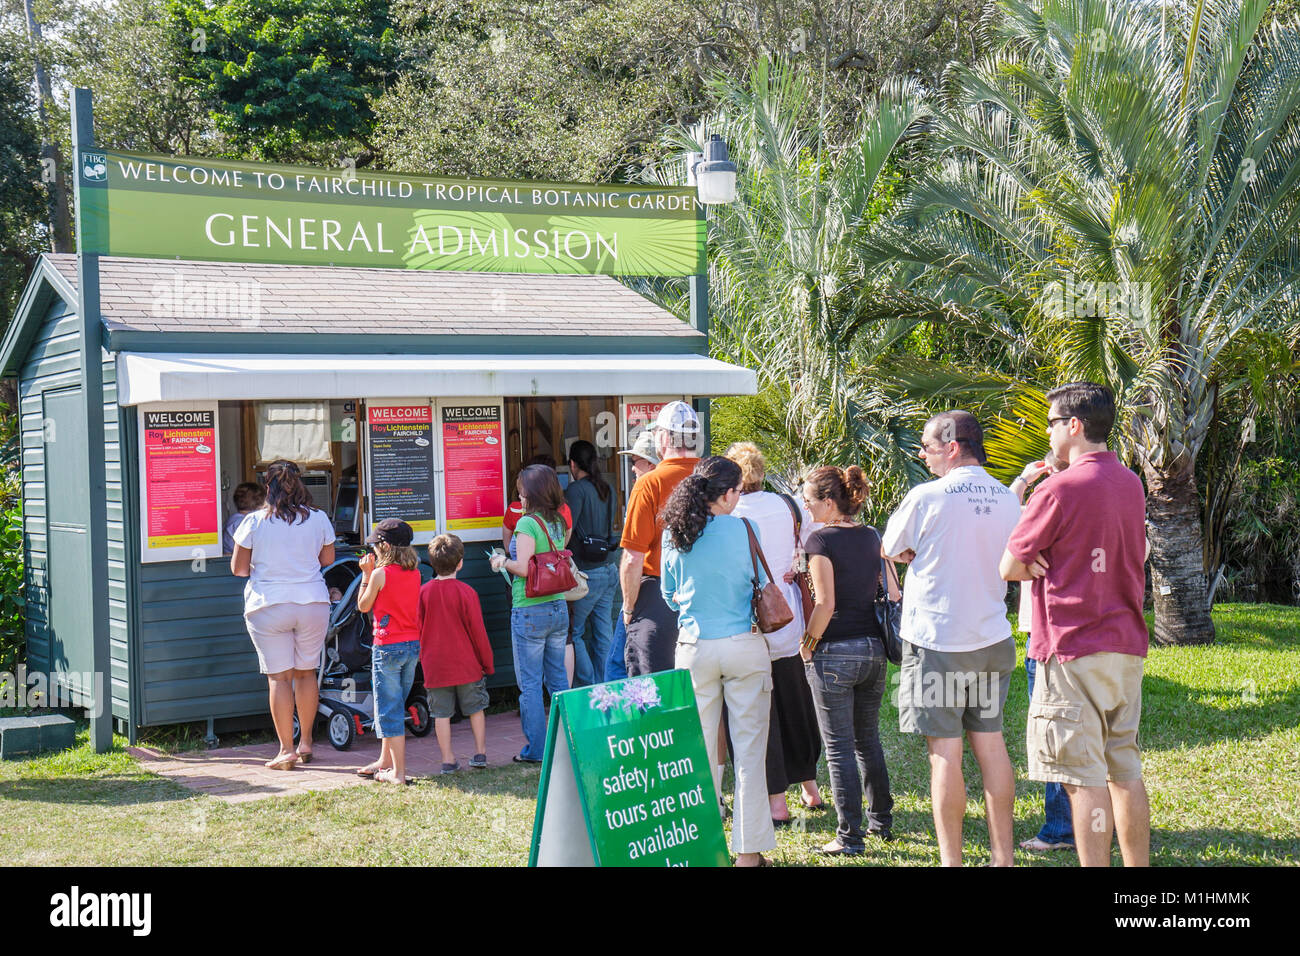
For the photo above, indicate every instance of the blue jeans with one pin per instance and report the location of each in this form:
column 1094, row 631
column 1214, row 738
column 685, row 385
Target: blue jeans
column 537, row 636
column 615, row 664
column 598, row 607
column 392, row 673
column 1059, row 825
column 847, row 678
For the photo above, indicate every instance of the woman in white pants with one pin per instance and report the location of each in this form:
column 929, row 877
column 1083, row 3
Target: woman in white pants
column 708, row 580
column 281, row 549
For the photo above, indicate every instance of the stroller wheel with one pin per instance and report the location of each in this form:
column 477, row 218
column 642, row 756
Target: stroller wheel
column 340, row 729
column 297, row 729
column 417, row 716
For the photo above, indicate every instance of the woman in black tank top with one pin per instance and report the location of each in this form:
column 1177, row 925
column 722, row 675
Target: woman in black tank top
column 844, row 659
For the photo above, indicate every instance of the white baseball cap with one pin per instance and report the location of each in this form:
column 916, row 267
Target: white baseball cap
column 679, row 418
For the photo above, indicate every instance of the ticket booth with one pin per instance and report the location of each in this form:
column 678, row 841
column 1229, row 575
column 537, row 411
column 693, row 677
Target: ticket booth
column 411, row 341
column 404, row 394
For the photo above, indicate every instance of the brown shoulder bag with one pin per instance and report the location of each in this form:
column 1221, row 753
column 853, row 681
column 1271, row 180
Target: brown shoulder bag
column 770, row 607
column 802, row 578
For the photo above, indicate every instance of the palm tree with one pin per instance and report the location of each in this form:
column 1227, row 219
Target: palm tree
column 1120, row 178
column 786, row 292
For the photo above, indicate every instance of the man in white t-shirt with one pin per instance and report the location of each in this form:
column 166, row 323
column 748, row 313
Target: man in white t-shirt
column 958, row 652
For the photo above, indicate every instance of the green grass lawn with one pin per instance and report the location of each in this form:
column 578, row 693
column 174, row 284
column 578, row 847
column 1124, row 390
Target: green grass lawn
column 1220, row 733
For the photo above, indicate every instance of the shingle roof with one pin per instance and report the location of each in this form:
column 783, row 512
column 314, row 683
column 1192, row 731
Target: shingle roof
column 164, row 295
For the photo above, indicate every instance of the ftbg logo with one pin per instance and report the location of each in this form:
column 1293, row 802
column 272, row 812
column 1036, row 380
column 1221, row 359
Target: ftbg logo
column 94, row 167
column 76, row 909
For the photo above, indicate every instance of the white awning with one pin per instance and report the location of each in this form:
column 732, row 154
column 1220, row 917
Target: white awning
column 144, row 378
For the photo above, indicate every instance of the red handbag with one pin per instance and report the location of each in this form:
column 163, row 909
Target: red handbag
column 549, row 572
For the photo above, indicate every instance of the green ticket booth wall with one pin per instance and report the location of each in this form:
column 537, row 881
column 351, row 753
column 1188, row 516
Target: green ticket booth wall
column 564, row 357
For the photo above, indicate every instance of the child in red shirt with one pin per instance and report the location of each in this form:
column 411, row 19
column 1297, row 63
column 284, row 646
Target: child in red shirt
column 454, row 651
column 390, row 587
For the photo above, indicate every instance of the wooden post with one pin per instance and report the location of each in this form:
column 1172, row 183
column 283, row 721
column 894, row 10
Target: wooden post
column 92, row 393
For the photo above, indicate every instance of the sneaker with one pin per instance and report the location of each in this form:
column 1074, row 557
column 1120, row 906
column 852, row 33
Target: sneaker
column 450, row 767
column 884, row 834
column 478, row 760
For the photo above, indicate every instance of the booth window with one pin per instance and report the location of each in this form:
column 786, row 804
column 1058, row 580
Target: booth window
column 544, row 429
column 295, row 431
column 319, row 435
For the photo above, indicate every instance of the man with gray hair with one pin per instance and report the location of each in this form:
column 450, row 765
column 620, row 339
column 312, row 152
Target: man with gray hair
column 958, row 652
column 651, row 623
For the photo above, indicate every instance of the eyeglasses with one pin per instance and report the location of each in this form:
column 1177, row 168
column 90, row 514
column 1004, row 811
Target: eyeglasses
column 1052, row 421
column 939, row 450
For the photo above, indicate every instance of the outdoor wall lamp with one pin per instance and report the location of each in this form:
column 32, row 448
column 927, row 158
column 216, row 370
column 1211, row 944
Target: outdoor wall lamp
column 712, row 173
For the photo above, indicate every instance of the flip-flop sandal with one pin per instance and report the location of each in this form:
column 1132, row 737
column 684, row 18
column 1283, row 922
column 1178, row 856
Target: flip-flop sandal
column 779, row 824
column 1036, row 845
column 305, row 756
column 368, row 771
column 819, row 805
column 391, row 778
column 282, row 763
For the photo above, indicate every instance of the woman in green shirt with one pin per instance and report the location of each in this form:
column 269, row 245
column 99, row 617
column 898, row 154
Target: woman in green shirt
column 539, row 626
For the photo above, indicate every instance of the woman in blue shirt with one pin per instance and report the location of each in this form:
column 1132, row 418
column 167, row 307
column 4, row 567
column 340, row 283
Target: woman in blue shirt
column 708, row 579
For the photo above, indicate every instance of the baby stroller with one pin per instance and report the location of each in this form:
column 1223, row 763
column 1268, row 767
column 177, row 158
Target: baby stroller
column 346, row 693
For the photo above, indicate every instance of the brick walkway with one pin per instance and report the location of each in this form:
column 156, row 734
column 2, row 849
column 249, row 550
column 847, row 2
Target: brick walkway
column 236, row 774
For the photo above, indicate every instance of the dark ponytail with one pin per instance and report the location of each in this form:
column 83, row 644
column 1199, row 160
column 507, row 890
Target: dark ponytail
column 583, row 454
column 286, row 496
column 687, row 511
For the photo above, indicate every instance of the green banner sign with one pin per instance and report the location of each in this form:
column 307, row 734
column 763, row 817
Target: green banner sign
column 626, row 779
column 134, row 204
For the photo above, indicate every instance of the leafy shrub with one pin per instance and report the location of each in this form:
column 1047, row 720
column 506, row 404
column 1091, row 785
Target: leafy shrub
column 12, row 639
column 1263, row 534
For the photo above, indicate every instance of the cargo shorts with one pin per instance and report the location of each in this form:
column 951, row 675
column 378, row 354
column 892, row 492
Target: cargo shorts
column 1083, row 720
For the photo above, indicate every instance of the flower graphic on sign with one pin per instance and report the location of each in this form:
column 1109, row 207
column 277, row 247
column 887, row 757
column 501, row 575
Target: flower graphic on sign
column 604, row 697
column 638, row 694
column 641, row 692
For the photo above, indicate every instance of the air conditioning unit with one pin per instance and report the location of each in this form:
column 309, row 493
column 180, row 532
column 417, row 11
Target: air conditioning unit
column 317, row 484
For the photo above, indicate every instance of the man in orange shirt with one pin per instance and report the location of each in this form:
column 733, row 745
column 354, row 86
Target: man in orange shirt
column 651, row 624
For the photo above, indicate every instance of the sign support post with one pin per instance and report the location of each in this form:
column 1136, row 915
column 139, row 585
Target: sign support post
column 92, row 394
column 699, row 286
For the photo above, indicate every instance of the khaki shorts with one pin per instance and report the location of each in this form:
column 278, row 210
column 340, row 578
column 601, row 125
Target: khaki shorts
column 949, row 693
column 288, row 636
column 1083, row 720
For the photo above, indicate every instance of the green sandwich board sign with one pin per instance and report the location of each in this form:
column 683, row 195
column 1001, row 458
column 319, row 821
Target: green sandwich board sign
column 626, row 779
column 136, row 204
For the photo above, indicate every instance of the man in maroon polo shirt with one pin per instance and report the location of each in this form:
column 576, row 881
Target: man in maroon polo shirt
column 1081, row 540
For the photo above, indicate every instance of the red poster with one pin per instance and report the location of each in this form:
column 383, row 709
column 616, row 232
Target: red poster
column 639, row 415
column 180, row 474
column 472, row 460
